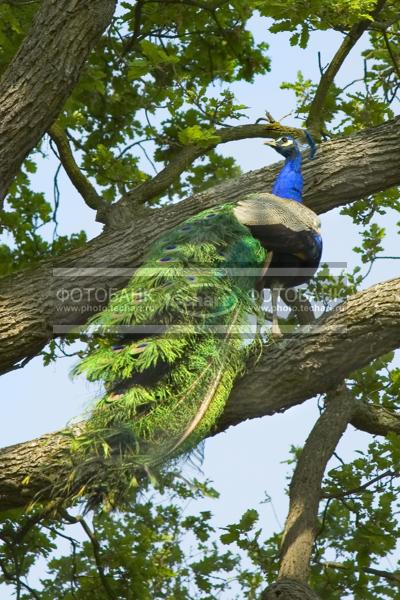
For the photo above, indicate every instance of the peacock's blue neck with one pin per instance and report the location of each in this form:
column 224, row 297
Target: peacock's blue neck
column 289, row 183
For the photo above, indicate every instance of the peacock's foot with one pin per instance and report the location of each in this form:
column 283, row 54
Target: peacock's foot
column 276, row 332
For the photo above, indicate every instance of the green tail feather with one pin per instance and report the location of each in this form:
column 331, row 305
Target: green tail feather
column 187, row 309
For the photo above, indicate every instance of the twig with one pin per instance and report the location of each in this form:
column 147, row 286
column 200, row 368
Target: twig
column 74, row 543
column 19, row 2
column 387, row 257
column 133, row 40
column 321, row 68
column 20, row 365
column 56, row 194
column 393, row 58
column 17, row 581
column 300, row 305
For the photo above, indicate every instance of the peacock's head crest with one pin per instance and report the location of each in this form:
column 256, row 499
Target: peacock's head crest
column 285, row 145
column 289, row 147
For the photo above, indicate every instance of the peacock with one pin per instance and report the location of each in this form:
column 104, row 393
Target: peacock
column 170, row 345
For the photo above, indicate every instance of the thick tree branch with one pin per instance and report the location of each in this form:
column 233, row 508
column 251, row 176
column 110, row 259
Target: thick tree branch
column 305, row 487
column 81, row 183
column 43, row 73
column 32, row 302
column 365, row 327
column 376, row 420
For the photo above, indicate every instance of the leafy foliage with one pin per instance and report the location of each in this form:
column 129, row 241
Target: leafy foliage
column 154, row 550
column 359, row 520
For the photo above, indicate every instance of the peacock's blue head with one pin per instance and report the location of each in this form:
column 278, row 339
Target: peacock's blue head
column 285, row 145
column 290, row 148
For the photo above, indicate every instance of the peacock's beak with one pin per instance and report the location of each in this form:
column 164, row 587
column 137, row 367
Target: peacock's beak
column 271, row 143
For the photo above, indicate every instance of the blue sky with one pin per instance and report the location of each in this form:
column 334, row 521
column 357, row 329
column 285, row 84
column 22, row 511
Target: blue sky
column 245, row 462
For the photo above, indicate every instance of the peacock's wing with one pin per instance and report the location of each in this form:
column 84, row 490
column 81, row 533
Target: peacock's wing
column 282, row 225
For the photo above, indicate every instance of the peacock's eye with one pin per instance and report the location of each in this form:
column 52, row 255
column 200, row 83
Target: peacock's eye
column 284, row 140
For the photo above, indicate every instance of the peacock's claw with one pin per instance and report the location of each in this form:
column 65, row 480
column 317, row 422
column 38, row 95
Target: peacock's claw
column 276, row 333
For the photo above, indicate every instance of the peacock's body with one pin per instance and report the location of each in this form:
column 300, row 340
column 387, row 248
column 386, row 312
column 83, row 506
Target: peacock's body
column 170, row 345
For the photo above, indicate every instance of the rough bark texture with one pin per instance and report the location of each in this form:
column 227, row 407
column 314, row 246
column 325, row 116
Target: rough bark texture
column 344, row 171
column 317, row 360
column 32, row 468
column 43, row 73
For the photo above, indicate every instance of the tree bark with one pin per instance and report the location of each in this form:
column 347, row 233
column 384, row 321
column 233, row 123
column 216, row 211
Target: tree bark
column 290, row 371
column 34, row 302
column 43, row 74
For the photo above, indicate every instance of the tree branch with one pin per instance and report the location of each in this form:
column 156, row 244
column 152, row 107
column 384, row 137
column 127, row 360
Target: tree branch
column 301, row 307
column 33, row 302
column 291, row 371
column 43, row 73
column 393, row 56
column 360, row 488
column 376, row 420
column 80, row 182
column 134, row 39
column 367, row 325
column 315, row 116
column 315, row 120
column 393, row 577
column 305, row 487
